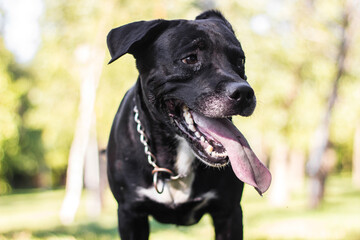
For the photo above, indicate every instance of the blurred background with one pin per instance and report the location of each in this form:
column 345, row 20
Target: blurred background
column 58, row 98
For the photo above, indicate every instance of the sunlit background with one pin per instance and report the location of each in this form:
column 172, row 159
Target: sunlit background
column 58, row 98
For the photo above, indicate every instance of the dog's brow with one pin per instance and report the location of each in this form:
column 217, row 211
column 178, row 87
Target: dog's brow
column 200, row 43
column 191, row 45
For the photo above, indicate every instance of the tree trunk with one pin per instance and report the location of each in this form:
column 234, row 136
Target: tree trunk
column 92, row 174
column 91, row 62
column 90, row 74
column 279, row 191
column 317, row 183
column 321, row 137
column 74, row 180
column 296, row 170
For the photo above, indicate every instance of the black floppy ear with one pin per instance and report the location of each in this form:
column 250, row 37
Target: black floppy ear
column 214, row 14
column 128, row 38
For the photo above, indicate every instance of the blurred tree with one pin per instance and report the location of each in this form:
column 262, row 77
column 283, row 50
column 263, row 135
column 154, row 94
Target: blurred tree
column 321, row 138
column 84, row 150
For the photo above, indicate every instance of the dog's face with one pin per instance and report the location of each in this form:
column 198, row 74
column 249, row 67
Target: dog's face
column 192, row 77
column 200, row 64
column 197, row 66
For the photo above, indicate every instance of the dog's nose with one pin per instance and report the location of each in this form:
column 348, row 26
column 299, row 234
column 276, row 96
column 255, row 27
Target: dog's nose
column 240, row 92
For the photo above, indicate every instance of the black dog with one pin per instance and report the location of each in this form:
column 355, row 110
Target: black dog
column 176, row 122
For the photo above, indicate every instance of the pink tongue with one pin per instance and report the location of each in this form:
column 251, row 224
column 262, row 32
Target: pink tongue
column 246, row 166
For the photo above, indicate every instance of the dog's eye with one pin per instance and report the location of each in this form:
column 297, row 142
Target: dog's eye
column 191, row 59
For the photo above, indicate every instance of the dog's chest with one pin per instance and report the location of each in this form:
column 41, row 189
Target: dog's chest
column 177, row 192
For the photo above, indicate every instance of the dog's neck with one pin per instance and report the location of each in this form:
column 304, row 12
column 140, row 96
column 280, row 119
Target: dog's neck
column 171, row 151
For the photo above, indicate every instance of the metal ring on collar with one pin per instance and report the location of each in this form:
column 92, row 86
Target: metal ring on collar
column 155, row 173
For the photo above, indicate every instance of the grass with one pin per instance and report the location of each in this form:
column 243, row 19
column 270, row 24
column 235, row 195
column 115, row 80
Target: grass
column 337, row 218
column 34, row 215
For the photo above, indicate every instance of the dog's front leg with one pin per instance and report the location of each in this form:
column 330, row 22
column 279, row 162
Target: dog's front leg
column 132, row 227
column 228, row 227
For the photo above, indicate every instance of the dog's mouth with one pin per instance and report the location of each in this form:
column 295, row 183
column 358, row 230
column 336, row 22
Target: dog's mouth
column 216, row 142
column 210, row 151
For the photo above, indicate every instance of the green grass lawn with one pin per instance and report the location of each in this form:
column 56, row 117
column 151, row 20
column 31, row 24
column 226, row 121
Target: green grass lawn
column 34, row 215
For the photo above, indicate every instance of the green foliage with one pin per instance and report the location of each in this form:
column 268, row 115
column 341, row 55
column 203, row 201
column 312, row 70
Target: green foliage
column 21, row 146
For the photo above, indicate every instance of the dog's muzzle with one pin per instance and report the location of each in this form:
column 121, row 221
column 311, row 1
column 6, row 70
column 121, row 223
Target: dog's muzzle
column 216, row 142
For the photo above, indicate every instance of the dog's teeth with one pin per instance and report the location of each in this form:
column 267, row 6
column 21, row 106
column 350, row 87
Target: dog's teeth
column 223, row 154
column 188, row 119
column 202, row 139
column 217, row 154
column 192, row 127
column 209, row 149
column 197, row 134
column 187, row 116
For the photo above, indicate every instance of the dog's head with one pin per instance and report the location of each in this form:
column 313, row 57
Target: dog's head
column 192, row 76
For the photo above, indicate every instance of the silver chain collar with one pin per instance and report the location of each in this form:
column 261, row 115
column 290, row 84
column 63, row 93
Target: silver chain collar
column 150, row 156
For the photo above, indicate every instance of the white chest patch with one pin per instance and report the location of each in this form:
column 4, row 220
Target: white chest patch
column 185, row 158
column 175, row 191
